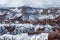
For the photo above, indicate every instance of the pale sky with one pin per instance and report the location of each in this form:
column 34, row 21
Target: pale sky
column 31, row 3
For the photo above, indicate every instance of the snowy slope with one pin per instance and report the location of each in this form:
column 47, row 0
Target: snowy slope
column 24, row 36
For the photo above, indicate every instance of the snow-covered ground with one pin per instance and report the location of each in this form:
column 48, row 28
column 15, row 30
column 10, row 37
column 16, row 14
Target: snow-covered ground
column 24, row 28
column 24, row 36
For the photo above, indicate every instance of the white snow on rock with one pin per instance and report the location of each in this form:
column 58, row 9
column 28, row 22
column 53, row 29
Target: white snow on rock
column 42, row 36
column 37, row 17
column 46, row 17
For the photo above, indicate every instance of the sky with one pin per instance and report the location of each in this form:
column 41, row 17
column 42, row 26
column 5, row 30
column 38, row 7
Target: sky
column 31, row 3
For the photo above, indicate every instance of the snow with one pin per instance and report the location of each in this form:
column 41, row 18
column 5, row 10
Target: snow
column 20, row 28
column 48, row 26
column 23, row 26
column 46, row 17
column 36, row 17
column 33, row 37
column 24, row 36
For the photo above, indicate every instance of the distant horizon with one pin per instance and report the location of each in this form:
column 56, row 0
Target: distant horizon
column 31, row 3
column 32, row 7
